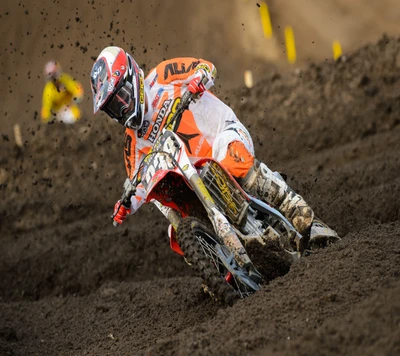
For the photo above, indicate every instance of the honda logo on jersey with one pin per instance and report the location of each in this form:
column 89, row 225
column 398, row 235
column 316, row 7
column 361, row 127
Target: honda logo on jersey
column 161, row 114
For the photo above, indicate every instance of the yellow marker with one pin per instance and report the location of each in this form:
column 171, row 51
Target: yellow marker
column 265, row 20
column 337, row 49
column 290, row 45
column 17, row 135
column 248, row 78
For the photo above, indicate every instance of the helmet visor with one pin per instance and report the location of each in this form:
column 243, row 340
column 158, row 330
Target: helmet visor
column 100, row 84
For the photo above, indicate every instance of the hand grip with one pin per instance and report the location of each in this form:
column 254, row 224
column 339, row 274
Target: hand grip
column 204, row 80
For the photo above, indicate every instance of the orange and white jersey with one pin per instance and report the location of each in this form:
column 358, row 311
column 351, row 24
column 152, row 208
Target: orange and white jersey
column 198, row 127
column 164, row 87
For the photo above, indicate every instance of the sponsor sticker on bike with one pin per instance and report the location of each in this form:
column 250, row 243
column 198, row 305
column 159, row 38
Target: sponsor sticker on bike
column 111, row 84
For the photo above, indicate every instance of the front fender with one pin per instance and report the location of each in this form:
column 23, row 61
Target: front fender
column 153, row 193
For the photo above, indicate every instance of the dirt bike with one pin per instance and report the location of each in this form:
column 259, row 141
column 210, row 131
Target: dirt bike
column 213, row 221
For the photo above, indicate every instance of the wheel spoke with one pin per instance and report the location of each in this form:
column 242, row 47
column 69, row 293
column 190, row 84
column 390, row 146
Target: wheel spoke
column 210, row 251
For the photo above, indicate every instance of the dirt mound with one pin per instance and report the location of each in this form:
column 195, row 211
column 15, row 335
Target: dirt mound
column 308, row 110
column 292, row 314
column 73, row 284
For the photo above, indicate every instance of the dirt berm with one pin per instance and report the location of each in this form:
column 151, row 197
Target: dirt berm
column 72, row 284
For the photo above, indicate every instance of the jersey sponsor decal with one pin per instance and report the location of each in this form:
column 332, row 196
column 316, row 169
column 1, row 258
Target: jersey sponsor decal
column 171, row 114
column 157, row 125
column 142, row 131
column 127, row 151
column 242, row 135
column 172, row 68
column 199, row 146
column 153, row 81
column 141, row 95
column 157, row 98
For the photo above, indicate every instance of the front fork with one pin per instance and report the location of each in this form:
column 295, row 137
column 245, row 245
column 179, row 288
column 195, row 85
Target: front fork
column 223, row 228
column 173, row 217
column 221, row 225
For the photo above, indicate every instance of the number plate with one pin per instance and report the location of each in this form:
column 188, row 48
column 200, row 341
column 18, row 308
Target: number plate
column 165, row 159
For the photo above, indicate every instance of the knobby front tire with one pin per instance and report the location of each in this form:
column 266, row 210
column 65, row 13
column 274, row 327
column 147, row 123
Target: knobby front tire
column 196, row 240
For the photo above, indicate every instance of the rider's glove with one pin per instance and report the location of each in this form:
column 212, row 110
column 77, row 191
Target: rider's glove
column 196, row 86
column 120, row 212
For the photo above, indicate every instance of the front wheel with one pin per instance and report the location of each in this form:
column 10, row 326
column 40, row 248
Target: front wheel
column 223, row 278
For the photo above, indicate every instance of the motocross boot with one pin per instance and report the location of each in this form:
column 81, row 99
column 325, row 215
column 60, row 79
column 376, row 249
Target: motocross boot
column 271, row 187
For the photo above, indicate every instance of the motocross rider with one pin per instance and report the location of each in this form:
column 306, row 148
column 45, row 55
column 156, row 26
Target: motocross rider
column 209, row 128
column 61, row 95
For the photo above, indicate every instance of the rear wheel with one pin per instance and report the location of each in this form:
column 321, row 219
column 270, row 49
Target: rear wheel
column 213, row 262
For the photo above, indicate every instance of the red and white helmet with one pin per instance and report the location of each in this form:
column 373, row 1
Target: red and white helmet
column 118, row 87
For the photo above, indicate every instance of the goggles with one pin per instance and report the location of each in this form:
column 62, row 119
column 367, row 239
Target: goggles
column 121, row 106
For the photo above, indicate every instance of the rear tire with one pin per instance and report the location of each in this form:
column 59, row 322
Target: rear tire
column 191, row 232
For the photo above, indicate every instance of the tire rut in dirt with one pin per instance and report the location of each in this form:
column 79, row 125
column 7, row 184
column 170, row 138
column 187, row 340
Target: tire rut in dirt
column 216, row 285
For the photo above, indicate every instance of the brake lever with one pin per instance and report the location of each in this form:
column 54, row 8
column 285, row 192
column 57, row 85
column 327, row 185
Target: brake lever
column 188, row 97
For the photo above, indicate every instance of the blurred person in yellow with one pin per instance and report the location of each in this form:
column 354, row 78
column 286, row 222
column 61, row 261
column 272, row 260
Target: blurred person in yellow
column 61, row 95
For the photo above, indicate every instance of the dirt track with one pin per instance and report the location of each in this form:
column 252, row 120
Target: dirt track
column 71, row 284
